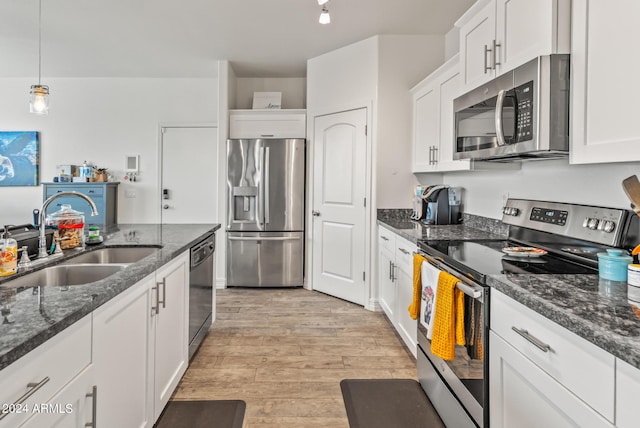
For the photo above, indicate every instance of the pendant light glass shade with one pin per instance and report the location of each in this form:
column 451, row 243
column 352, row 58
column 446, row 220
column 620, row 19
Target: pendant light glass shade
column 321, row 2
column 325, row 18
column 39, row 99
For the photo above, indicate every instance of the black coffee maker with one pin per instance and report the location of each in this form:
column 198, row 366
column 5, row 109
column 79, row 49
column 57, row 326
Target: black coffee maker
column 436, row 206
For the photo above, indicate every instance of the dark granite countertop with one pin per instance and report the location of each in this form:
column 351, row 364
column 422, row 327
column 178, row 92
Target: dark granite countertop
column 415, row 231
column 595, row 309
column 31, row 315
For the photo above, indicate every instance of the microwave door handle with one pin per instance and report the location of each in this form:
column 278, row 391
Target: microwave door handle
column 499, row 128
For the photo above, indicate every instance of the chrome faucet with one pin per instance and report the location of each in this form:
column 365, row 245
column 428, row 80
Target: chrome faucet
column 42, row 243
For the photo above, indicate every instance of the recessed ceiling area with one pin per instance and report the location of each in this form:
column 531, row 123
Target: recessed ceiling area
column 186, row 38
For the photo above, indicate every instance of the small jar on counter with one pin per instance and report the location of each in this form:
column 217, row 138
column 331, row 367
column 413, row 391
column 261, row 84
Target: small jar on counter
column 613, row 265
column 633, row 283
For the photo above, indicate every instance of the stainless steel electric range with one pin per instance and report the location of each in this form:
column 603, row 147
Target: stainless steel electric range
column 567, row 238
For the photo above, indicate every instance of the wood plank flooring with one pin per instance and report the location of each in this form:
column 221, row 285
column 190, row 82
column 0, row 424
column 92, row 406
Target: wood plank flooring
column 284, row 352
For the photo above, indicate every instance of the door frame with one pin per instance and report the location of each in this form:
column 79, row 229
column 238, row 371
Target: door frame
column 369, row 223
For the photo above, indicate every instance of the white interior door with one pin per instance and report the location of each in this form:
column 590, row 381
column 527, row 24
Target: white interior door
column 189, row 175
column 339, row 213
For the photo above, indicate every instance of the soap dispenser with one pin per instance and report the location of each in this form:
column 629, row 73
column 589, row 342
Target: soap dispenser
column 8, row 254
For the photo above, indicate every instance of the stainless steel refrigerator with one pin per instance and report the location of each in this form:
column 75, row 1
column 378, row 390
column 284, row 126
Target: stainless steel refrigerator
column 265, row 212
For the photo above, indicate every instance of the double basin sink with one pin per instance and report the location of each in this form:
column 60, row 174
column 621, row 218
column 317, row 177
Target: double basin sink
column 86, row 268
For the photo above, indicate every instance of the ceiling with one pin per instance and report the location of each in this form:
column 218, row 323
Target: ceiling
column 185, row 38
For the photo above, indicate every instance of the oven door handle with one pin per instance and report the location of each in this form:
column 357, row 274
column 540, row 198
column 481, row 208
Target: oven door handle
column 470, row 291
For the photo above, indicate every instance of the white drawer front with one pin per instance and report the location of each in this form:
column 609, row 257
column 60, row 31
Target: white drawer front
column 386, row 240
column 59, row 359
column 585, row 369
column 404, row 254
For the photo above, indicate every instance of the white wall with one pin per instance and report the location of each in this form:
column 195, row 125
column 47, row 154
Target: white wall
column 403, row 62
column 102, row 120
column 294, row 91
column 550, row 180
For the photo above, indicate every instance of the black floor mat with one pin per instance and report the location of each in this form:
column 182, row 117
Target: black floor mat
column 388, row 403
column 203, row 414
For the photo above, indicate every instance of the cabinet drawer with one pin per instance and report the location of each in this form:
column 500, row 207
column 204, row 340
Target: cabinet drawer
column 59, row 360
column 92, row 191
column 404, row 254
column 568, row 358
column 267, row 124
column 386, row 240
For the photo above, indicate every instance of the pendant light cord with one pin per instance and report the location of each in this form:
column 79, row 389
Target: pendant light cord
column 39, row 40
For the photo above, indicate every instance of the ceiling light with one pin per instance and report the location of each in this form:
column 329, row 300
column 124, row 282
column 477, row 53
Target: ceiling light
column 321, row 2
column 325, row 18
column 39, row 94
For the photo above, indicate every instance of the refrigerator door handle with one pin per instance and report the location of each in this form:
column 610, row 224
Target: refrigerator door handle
column 261, row 194
column 262, row 238
column 267, row 193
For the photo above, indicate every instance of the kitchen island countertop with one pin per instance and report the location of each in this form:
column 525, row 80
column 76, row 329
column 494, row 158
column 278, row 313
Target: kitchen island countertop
column 596, row 310
column 32, row 315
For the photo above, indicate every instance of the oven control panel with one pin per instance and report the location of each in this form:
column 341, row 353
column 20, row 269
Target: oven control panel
column 551, row 216
column 596, row 224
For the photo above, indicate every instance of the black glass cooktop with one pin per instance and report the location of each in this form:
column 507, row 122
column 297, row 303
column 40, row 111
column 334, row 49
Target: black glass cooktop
column 481, row 258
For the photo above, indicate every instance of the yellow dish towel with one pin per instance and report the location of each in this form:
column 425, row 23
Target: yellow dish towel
column 414, row 307
column 448, row 326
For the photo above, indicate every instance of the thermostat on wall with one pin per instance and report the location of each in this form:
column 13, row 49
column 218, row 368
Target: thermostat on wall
column 131, row 163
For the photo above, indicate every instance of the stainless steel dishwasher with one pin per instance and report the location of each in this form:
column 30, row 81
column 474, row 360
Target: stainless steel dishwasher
column 201, row 290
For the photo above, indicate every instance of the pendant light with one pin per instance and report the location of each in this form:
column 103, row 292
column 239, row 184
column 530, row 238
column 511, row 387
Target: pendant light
column 325, row 18
column 39, row 94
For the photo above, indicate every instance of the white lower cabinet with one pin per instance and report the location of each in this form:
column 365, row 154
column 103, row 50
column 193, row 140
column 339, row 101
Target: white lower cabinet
column 169, row 336
column 524, row 396
column 395, row 281
column 30, row 388
column 141, row 347
column 73, row 407
column 541, row 374
column 123, row 358
column 627, row 393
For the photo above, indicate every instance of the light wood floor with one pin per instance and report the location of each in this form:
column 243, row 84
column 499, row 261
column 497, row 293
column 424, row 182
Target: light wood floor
column 284, row 352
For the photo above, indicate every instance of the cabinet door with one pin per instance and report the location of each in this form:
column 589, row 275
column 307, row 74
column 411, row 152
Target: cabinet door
column 526, row 29
column 72, row 407
column 476, row 47
column 449, row 89
column 627, row 393
column 524, row 396
column 122, row 358
column 387, row 285
column 170, row 327
column 425, row 128
column 406, row 326
column 604, row 123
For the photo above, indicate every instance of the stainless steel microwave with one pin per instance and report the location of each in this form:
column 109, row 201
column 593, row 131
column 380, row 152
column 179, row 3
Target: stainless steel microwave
column 522, row 114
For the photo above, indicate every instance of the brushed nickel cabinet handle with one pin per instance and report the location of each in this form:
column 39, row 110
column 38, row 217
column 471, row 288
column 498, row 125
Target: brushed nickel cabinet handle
column 32, row 388
column 94, row 406
column 486, row 60
column 537, row 342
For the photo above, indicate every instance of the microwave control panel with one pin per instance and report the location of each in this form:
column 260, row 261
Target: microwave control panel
column 524, row 122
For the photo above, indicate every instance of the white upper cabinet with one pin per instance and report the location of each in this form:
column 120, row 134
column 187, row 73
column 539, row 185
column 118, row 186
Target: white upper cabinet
column 604, row 114
column 499, row 35
column 433, row 125
column 267, row 123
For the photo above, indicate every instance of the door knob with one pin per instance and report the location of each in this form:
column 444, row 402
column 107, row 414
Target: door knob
column 315, row 213
column 165, row 206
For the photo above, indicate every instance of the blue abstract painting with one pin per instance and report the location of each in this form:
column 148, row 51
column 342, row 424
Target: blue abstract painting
column 19, row 158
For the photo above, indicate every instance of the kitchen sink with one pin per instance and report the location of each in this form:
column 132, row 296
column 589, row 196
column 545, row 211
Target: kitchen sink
column 66, row 275
column 113, row 255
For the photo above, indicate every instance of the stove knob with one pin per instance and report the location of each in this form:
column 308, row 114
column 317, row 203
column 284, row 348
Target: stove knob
column 515, row 211
column 505, row 210
column 585, row 222
column 609, row 226
column 592, row 223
